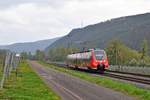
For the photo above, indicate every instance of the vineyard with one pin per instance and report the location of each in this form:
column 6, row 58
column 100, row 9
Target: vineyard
column 18, row 81
column 8, row 63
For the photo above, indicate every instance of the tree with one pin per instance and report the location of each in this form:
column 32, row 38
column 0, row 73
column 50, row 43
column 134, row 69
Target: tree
column 113, row 51
column 39, row 55
column 119, row 54
column 144, row 51
column 24, row 55
column 60, row 53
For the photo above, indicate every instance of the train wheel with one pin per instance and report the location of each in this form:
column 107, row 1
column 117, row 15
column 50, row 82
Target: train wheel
column 76, row 67
column 67, row 65
column 91, row 70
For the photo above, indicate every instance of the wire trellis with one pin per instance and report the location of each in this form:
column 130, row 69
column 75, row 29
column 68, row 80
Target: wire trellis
column 10, row 63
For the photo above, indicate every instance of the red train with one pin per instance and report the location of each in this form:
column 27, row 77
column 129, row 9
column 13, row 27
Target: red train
column 95, row 59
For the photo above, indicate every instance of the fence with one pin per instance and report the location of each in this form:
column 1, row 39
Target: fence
column 131, row 69
column 9, row 62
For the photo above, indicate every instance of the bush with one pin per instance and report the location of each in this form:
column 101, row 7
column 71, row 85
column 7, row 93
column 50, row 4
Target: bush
column 133, row 62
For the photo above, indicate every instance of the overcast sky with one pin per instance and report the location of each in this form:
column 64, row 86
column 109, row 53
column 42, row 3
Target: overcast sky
column 30, row 20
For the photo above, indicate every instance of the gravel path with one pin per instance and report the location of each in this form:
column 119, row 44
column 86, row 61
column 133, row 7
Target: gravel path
column 73, row 88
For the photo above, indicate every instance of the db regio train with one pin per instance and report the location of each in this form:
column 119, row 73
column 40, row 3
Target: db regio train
column 93, row 59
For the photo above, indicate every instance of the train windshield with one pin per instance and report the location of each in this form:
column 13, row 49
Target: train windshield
column 99, row 54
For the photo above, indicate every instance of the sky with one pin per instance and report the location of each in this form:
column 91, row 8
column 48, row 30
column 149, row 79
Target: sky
column 31, row 20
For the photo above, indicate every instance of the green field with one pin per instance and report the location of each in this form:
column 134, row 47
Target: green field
column 128, row 89
column 26, row 86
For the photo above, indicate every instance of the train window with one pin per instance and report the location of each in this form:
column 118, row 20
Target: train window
column 99, row 54
column 99, row 57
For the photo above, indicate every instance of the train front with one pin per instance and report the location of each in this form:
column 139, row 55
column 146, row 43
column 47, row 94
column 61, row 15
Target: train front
column 101, row 60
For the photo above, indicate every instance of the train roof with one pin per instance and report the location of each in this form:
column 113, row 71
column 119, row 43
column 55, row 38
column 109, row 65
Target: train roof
column 89, row 50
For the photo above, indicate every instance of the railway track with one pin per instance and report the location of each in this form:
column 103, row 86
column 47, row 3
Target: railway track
column 129, row 77
column 136, row 74
column 133, row 77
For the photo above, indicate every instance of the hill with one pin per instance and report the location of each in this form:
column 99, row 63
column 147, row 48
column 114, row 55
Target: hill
column 29, row 46
column 131, row 30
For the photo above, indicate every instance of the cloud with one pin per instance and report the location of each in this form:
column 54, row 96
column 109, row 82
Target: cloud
column 29, row 20
column 8, row 3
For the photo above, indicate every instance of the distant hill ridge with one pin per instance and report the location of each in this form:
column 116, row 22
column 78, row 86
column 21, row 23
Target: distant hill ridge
column 131, row 30
column 29, row 46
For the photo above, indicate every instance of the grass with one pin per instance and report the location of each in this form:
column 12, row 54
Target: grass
column 128, row 89
column 26, row 86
